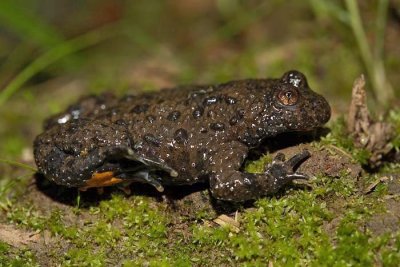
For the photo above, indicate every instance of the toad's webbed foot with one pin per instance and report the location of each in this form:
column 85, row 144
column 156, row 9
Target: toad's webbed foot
column 124, row 177
column 228, row 183
column 283, row 171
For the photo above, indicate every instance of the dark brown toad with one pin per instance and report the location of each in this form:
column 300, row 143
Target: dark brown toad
column 180, row 136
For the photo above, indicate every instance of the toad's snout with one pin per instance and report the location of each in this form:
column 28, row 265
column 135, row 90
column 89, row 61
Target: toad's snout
column 322, row 110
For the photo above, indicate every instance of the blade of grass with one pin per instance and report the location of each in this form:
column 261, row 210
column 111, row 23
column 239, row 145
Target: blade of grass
column 18, row 164
column 361, row 39
column 323, row 8
column 28, row 26
column 383, row 7
column 385, row 89
column 33, row 31
column 375, row 68
column 60, row 51
column 14, row 62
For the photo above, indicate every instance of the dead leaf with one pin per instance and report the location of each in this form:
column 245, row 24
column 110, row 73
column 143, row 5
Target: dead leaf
column 227, row 221
column 368, row 134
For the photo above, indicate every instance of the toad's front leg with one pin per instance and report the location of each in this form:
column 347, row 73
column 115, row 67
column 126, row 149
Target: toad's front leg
column 228, row 183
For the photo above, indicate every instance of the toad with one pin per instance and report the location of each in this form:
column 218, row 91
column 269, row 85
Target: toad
column 181, row 136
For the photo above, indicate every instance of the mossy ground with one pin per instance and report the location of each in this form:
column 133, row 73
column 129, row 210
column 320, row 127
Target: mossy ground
column 323, row 223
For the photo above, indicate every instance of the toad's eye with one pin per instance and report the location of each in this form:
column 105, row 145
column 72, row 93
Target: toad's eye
column 288, row 97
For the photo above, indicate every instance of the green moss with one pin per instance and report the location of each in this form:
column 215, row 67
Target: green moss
column 26, row 216
column 83, row 257
column 16, row 257
column 118, row 227
column 287, row 230
column 355, row 247
column 390, row 255
column 4, row 250
column 282, row 230
column 258, row 166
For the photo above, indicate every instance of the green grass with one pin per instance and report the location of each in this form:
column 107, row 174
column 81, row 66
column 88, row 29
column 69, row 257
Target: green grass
column 16, row 258
column 28, row 25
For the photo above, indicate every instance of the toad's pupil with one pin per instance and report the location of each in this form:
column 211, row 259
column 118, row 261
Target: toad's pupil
column 288, row 95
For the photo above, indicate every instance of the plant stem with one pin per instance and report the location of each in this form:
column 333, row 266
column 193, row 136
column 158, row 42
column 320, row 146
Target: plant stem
column 380, row 72
column 383, row 6
column 374, row 65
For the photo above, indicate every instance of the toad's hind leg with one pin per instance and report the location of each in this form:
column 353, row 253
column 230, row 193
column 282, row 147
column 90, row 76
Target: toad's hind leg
column 83, row 171
column 69, row 155
column 87, row 154
column 228, row 183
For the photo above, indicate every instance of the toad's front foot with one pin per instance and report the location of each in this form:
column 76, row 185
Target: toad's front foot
column 282, row 172
column 229, row 183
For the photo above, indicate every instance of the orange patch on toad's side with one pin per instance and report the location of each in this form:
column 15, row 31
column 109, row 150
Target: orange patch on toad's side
column 101, row 179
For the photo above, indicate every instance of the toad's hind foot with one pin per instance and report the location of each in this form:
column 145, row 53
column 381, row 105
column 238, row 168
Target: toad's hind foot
column 101, row 179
